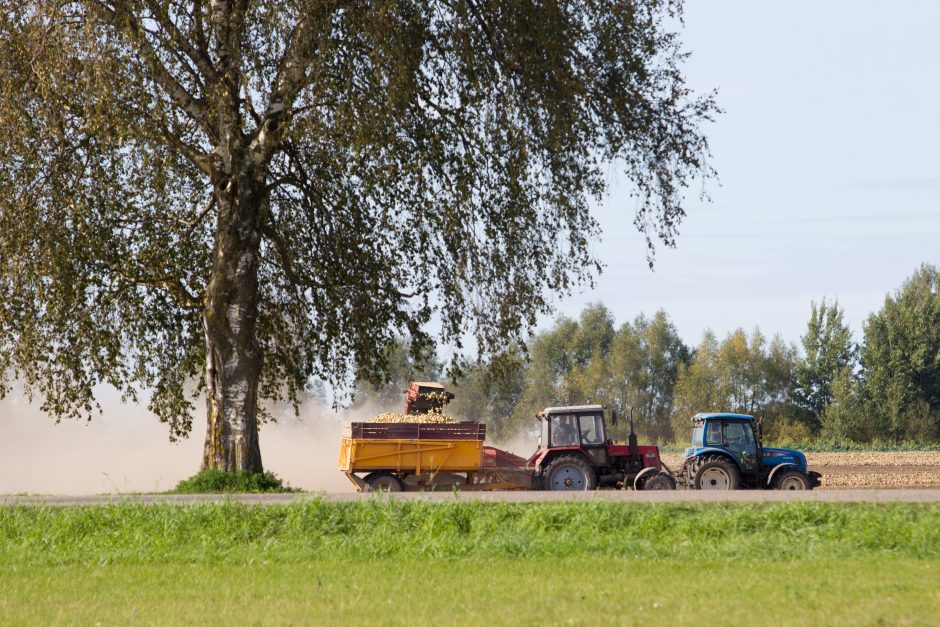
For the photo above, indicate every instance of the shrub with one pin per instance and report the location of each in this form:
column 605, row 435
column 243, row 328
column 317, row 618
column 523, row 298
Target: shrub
column 214, row 481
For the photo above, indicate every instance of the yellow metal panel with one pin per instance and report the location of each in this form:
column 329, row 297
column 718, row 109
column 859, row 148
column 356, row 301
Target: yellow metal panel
column 415, row 456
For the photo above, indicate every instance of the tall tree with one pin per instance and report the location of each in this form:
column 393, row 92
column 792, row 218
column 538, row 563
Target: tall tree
column 743, row 374
column 828, row 349
column 842, row 416
column 644, row 362
column 901, row 360
column 254, row 193
column 489, row 392
column 697, row 386
column 567, row 363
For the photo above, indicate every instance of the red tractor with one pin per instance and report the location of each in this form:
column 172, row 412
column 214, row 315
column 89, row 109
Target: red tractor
column 575, row 453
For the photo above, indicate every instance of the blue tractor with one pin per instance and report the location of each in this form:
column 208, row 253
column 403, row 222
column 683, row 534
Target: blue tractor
column 727, row 454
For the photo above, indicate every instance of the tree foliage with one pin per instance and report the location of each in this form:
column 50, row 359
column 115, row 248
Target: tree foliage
column 256, row 194
column 843, row 417
column 489, row 391
column 828, row 349
column 742, row 373
column 901, row 360
column 589, row 361
column 644, row 365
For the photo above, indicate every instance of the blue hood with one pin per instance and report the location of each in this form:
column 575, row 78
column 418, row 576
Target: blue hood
column 776, row 456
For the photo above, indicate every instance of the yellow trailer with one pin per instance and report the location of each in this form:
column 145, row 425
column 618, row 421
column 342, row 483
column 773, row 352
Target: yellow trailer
column 416, row 456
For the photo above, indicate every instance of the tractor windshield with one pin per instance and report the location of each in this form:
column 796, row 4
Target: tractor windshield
column 592, row 430
column 698, row 435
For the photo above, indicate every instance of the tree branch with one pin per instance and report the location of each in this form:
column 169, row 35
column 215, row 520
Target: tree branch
column 283, row 251
column 173, row 285
column 292, row 76
column 123, row 19
column 197, row 56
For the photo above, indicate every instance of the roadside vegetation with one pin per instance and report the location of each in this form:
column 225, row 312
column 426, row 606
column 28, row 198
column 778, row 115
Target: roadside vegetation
column 218, row 481
column 322, row 529
column 393, row 562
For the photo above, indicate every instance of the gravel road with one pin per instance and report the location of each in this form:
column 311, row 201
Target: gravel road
column 854, row 476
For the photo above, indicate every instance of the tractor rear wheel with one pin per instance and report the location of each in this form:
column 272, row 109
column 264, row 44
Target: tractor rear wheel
column 569, row 472
column 384, row 482
column 791, row 480
column 716, row 473
column 659, row 481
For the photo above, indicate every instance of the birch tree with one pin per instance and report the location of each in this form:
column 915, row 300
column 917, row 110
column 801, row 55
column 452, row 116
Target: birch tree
column 251, row 194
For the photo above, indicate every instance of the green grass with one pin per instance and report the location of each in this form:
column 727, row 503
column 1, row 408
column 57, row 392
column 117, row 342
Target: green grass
column 319, row 529
column 218, row 481
column 381, row 562
column 501, row 591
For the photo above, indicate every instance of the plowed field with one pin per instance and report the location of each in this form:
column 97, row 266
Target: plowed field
column 909, row 469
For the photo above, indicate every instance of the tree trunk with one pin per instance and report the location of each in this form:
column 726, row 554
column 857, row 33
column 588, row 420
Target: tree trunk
column 233, row 357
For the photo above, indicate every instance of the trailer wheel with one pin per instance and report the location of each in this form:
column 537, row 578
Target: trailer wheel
column 715, row 473
column 384, row 482
column 791, row 480
column 569, row 472
column 659, row 481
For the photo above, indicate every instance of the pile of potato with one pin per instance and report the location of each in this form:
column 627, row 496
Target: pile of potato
column 429, row 418
column 440, row 398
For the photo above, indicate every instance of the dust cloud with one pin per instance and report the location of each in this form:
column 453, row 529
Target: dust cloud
column 126, row 449
column 522, row 444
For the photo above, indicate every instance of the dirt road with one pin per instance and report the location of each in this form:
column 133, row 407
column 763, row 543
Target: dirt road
column 910, row 476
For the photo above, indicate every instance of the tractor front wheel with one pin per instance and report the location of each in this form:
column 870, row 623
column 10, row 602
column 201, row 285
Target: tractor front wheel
column 716, row 473
column 570, row 473
column 791, row 480
column 659, row 481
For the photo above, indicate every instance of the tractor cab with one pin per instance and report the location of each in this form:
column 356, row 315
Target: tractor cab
column 733, row 433
column 580, row 427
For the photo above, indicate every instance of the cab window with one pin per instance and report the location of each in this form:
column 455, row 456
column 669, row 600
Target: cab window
column 713, row 436
column 592, row 430
column 564, row 430
column 739, row 436
column 698, row 433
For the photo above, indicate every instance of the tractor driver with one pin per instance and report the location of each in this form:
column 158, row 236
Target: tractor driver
column 563, row 432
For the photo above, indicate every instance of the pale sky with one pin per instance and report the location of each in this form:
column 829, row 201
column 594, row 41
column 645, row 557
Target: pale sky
column 828, row 166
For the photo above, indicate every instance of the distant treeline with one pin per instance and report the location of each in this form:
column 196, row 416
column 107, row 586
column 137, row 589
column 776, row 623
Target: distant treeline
column 885, row 388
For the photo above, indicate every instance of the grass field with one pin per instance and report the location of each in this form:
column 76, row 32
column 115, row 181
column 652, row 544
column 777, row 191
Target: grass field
column 417, row 563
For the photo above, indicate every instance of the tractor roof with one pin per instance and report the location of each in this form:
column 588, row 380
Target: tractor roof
column 572, row 409
column 704, row 417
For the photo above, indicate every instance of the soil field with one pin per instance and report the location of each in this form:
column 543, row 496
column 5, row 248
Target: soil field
column 857, row 470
